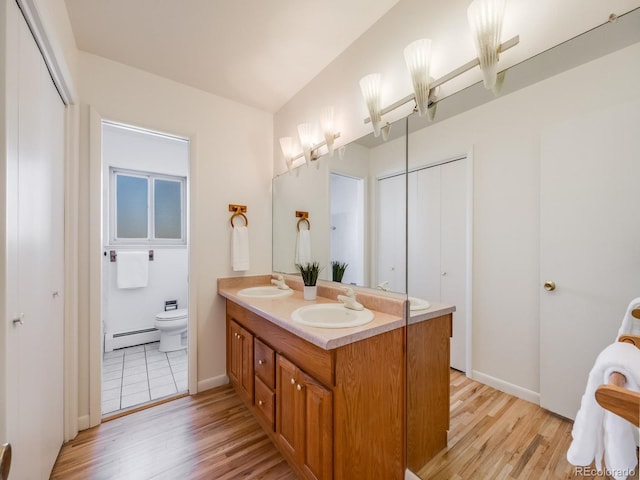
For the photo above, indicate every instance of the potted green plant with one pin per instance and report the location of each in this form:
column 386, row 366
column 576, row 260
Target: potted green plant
column 337, row 270
column 309, row 272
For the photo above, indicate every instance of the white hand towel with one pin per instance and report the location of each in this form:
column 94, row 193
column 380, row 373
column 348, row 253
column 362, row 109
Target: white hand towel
column 303, row 247
column 630, row 324
column 133, row 269
column 597, row 431
column 240, row 248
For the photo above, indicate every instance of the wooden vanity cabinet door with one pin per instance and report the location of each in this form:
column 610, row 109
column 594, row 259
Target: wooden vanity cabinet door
column 318, row 434
column 304, row 420
column 240, row 360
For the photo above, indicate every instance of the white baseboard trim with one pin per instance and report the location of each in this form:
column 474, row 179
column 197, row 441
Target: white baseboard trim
column 212, row 382
column 409, row 475
column 83, row 422
column 506, row 387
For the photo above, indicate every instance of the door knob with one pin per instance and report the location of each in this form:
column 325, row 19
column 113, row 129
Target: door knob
column 549, row 286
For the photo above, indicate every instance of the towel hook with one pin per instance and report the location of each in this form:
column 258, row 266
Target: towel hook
column 304, row 217
column 238, row 211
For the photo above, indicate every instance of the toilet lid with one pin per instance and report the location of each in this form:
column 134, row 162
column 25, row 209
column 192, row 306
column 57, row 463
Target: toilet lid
column 172, row 314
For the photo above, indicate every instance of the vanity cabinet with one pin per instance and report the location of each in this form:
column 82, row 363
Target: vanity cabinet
column 304, row 420
column 340, row 413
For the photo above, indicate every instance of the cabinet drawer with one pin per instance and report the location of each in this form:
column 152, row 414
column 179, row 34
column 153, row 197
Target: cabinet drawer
column 264, row 363
column 264, row 402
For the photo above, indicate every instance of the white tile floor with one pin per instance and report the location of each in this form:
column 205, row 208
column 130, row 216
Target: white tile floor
column 136, row 375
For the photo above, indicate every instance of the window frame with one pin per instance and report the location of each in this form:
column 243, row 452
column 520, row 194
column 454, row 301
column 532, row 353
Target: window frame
column 151, row 177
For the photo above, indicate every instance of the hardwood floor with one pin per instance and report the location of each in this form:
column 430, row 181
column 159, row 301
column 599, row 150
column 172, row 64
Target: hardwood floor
column 497, row 436
column 213, row 436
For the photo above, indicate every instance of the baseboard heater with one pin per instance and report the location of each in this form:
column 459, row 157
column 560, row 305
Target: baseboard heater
column 114, row 341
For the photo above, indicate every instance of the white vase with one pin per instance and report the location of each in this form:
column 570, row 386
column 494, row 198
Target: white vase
column 310, row 293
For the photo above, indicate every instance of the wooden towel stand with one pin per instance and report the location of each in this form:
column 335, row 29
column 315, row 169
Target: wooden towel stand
column 617, row 399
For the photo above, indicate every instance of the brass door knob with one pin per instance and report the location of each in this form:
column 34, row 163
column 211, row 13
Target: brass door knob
column 549, row 286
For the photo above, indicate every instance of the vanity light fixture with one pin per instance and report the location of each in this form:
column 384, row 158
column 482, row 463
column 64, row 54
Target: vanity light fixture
column 417, row 56
column 306, row 133
column 485, row 20
column 286, row 144
column 328, row 127
column 310, row 149
column 370, row 87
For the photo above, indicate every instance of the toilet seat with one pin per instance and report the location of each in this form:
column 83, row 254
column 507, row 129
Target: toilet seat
column 169, row 315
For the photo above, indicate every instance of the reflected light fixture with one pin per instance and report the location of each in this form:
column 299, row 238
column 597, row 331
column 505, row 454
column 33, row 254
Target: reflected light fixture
column 485, row 20
column 417, row 56
column 370, row 86
column 306, row 134
column 328, row 127
column 286, row 144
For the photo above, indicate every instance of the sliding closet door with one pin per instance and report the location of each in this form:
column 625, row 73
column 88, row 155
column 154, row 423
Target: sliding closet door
column 391, row 226
column 589, row 248
column 35, row 270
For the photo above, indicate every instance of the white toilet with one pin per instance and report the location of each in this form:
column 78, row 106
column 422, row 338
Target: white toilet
column 172, row 324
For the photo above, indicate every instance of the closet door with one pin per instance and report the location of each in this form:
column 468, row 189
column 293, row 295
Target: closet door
column 391, row 227
column 36, row 221
column 589, row 246
column 439, row 226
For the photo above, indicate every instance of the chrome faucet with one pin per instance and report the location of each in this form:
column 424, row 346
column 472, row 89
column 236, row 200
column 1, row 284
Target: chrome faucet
column 349, row 300
column 279, row 282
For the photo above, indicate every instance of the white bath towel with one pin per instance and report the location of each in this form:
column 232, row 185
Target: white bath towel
column 240, row 248
column 133, row 269
column 596, row 431
column 303, row 247
column 630, row 325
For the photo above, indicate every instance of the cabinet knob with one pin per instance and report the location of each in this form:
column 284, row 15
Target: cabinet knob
column 260, row 402
column 299, row 387
column 293, row 381
column 261, row 362
column 549, row 286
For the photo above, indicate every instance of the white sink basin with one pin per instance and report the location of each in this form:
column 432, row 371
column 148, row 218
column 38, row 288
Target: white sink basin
column 265, row 292
column 416, row 303
column 331, row 315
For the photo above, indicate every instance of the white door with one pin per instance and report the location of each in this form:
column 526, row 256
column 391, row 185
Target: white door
column 589, row 245
column 391, row 237
column 35, row 270
column 439, row 237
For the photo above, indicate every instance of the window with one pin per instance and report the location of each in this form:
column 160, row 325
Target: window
column 147, row 208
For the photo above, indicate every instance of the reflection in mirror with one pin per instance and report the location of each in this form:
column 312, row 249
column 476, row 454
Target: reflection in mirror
column 356, row 212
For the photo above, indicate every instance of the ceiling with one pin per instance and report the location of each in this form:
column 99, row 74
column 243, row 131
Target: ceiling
column 256, row 52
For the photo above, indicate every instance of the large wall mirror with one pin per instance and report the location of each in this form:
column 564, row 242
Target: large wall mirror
column 355, row 202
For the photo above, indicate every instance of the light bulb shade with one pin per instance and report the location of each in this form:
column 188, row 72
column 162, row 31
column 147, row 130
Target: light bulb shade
column 286, row 145
column 485, row 20
column 306, row 134
column 417, row 56
column 370, row 86
column 328, row 127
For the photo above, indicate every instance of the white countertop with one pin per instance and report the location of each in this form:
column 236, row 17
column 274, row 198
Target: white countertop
column 278, row 311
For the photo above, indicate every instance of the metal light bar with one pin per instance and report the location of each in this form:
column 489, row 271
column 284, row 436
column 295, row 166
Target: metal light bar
column 512, row 42
column 314, row 148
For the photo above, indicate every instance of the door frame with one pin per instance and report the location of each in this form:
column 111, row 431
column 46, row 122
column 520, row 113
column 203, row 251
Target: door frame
column 95, row 262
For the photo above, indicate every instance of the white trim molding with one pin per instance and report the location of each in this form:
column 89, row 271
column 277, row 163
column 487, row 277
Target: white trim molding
column 506, row 387
column 212, row 382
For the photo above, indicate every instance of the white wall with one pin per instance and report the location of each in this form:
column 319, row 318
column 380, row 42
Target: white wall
column 126, row 310
column 230, row 163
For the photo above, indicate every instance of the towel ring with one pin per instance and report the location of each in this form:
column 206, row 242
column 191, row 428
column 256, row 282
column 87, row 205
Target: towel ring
column 239, row 214
column 304, row 220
